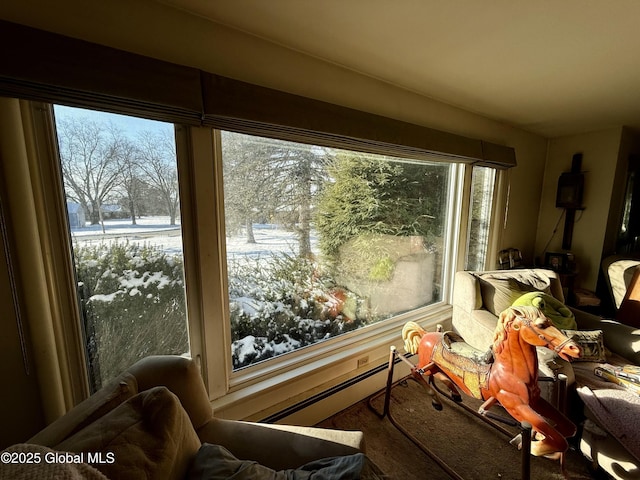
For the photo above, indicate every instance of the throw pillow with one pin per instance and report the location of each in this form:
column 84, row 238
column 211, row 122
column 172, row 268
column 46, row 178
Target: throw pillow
column 214, row 462
column 149, row 436
column 499, row 293
column 592, row 343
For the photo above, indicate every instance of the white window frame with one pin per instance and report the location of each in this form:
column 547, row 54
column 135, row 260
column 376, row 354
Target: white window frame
column 252, row 392
column 255, row 392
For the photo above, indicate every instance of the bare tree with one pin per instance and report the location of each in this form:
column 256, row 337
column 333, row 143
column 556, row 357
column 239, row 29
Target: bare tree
column 89, row 154
column 158, row 161
column 249, row 176
column 265, row 177
column 132, row 184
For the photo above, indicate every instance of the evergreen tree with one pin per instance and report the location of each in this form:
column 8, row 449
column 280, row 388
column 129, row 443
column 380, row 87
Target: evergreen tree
column 376, row 195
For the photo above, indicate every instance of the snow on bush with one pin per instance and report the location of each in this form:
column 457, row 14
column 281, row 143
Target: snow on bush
column 134, row 304
column 282, row 304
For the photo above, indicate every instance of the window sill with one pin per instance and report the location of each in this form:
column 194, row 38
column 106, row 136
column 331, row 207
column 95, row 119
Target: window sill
column 263, row 390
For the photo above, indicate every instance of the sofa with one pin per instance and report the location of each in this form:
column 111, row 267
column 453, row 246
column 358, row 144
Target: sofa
column 155, row 421
column 478, row 298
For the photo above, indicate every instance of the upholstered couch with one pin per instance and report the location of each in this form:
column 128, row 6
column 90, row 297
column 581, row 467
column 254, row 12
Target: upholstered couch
column 156, row 419
column 477, row 299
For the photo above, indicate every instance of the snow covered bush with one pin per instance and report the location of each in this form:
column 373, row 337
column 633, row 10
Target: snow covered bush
column 134, row 304
column 281, row 304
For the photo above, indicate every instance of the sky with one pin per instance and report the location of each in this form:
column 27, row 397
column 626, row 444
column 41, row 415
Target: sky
column 132, row 126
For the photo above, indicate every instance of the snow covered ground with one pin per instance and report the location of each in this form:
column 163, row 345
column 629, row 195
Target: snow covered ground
column 157, row 231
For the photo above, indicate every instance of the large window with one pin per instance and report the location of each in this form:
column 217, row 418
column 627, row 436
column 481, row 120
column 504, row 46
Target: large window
column 322, row 241
column 122, row 199
column 295, row 257
column 273, row 263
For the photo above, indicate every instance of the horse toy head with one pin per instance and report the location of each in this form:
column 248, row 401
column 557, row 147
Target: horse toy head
column 535, row 329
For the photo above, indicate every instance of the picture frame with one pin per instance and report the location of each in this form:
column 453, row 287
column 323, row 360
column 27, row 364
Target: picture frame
column 558, row 262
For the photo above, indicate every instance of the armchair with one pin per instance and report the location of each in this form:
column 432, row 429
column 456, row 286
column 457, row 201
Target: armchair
column 478, row 299
column 154, row 418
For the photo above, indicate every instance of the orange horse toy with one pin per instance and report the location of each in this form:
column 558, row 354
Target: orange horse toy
column 510, row 377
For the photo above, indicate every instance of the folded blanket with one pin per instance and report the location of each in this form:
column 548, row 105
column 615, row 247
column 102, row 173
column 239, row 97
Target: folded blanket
column 618, row 412
column 214, row 462
column 25, row 461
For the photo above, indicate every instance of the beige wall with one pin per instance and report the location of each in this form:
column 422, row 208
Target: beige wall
column 599, row 162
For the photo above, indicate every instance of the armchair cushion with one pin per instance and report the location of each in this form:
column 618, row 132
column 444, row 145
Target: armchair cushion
column 621, row 339
column 498, row 294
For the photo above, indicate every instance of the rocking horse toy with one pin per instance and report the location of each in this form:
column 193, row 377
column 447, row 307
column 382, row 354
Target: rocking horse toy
column 507, row 374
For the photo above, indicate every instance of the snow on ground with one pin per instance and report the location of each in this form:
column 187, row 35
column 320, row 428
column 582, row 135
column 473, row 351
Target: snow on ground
column 156, row 230
column 124, row 226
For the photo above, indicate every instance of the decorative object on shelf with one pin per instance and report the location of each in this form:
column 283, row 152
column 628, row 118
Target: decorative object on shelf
column 558, row 262
column 591, row 342
column 509, row 258
column 508, row 377
column 569, row 197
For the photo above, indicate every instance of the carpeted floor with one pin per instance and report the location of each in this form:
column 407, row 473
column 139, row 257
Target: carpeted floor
column 470, row 447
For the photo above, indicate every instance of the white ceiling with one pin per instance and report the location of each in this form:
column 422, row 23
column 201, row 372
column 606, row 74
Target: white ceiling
column 553, row 67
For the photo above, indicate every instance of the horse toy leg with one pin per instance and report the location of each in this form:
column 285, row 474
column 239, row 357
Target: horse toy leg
column 561, row 422
column 490, row 402
column 453, row 391
column 432, row 370
column 417, row 373
column 553, row 441
column 435, row 400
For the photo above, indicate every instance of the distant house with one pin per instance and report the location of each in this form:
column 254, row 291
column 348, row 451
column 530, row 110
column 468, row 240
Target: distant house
column 112, row 210
column 76, row 215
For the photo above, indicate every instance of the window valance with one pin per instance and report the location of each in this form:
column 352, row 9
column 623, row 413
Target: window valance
column 50, row 67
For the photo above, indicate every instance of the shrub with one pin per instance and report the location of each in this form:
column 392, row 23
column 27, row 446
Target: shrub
column 134, row 305
column 282, row 304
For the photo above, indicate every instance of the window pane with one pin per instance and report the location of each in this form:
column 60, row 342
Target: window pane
column 323, row 241
column 482, row 184
column 121, row 188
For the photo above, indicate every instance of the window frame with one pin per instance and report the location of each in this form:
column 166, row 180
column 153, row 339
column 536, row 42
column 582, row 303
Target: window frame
column 251, row 393
column 58, row 266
